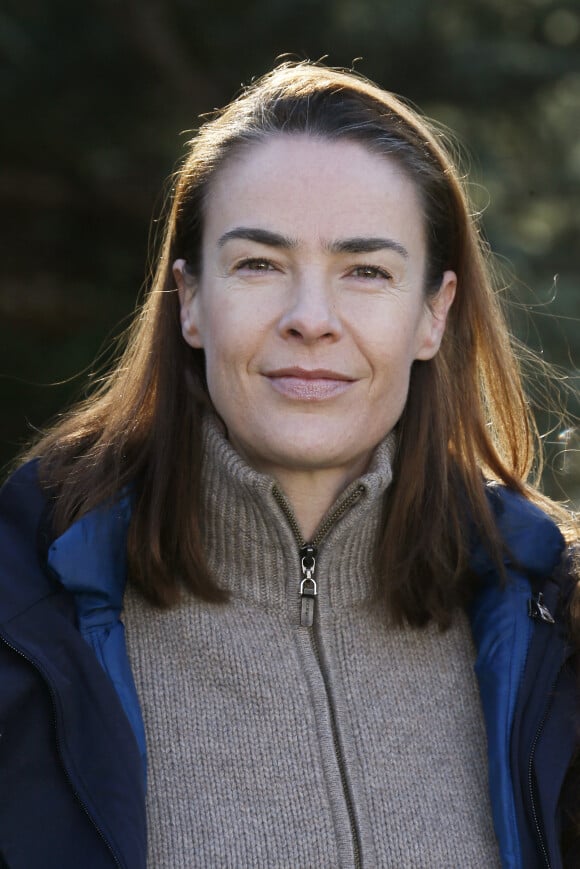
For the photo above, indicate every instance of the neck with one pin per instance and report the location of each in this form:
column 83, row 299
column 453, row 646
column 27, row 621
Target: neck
column 236, row 485
column 312, row 493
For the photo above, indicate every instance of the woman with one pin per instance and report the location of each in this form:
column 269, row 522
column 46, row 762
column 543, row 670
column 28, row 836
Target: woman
column 288, row 466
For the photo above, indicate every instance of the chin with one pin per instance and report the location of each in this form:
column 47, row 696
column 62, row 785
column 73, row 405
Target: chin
column 304, row 455
column 305, row 446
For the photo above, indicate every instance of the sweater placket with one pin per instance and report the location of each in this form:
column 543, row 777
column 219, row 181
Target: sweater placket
column 310, row 645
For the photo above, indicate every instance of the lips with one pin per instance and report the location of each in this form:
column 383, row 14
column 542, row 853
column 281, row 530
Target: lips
column 302, row 384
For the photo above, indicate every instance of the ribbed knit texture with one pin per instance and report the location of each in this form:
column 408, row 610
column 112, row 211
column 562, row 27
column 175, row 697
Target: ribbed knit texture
column 261, row 733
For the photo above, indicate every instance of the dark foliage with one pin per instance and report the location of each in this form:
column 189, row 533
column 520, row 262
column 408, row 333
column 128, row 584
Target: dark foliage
column 94, row 97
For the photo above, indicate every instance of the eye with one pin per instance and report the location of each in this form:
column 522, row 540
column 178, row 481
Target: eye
column 370, row 273
column 255, row 264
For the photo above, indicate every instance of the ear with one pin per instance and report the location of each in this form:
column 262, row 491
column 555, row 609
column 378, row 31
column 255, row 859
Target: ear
column 432, row 327
column 189, row 304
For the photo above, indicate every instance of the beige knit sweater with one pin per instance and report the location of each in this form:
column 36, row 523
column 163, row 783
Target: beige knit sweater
column 346, row 744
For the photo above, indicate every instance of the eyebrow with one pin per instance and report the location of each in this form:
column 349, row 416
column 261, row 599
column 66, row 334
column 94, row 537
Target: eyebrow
column 262, row 236
column 367, row 245
column 358, row 244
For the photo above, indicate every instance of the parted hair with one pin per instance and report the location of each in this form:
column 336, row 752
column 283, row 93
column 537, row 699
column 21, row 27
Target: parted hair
column 466, row 418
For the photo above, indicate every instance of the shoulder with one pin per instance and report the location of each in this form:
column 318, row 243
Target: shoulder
column 22, row 492
column 540, row 570
column 533, row 542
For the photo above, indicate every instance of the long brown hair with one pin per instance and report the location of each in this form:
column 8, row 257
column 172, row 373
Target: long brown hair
column 466, row 416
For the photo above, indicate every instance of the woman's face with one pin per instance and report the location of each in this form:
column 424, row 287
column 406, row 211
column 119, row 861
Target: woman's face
column 310, row 305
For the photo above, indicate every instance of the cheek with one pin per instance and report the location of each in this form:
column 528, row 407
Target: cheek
column 227, row 358
column 391, row 359
column 391, row 351
column 236, row 335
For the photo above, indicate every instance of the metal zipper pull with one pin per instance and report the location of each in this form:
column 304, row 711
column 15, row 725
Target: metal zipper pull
column 537, row 609
column 308, row 590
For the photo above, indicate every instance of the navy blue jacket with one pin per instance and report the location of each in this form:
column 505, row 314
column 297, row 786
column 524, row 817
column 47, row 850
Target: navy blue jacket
column 72, row 785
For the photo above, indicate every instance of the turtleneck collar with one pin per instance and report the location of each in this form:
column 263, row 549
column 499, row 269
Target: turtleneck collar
column 251, row 546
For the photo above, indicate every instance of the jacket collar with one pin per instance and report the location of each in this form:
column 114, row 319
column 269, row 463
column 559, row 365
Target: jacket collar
column 90, row 560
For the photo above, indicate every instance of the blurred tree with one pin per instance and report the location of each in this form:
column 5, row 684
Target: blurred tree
column 94, row 97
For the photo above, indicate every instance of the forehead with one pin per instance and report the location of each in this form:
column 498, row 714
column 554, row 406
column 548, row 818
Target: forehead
column 313, row 188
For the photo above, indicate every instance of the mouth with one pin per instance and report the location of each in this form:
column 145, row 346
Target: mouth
column 302, row 384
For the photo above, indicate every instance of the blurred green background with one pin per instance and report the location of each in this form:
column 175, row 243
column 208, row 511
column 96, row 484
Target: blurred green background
column 95, row 97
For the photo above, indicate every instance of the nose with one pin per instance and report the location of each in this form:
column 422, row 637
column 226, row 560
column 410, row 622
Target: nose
column 310, row 314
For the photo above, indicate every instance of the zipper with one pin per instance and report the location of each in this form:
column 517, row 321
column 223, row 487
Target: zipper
column 538, row 611
column 535, row 815
column 58, row 745
column 351, row 496
column 310, row 557
column 308, row 591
